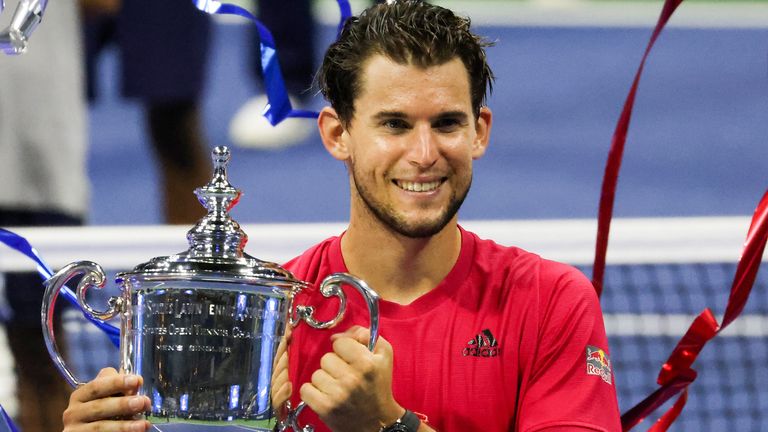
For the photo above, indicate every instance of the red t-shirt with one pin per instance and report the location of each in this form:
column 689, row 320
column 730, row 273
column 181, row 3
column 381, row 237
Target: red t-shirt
column 507, row 341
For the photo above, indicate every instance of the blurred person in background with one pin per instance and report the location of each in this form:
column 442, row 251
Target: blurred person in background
column 294, row 30
column 44, row 183
column 163, row 49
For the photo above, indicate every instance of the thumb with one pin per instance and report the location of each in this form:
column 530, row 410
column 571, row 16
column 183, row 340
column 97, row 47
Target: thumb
column 358, row 333
column 362, row 335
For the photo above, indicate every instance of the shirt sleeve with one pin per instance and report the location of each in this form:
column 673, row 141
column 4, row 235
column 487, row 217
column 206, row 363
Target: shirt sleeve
column 569, row 385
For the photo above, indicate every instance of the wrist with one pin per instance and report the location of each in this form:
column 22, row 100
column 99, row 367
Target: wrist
column 407, row 422
column 391, row 415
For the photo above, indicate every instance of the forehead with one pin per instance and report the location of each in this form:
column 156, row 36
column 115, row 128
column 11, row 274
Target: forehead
column 386, row 84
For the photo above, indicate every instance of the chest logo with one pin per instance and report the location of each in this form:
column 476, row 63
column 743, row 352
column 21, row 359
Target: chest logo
column 482, row 345
column 598, row 363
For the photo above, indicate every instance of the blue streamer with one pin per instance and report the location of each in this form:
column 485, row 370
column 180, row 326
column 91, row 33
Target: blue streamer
column 346, row 11
column 279, row 106
column 7, row 423
column 20, row 244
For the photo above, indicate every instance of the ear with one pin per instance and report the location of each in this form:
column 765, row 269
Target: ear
column 482, row 132
column 332, row 133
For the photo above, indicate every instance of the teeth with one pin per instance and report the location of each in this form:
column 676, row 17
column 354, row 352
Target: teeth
column 418, row 187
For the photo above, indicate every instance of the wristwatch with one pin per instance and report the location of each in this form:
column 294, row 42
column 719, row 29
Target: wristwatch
column 409, row 422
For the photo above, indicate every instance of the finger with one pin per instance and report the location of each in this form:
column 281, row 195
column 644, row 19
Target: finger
column 315, row 399
column 109, row 408
column 280, row 375
column 106, row 385
column 105, row 409
column 113, row 426
column 356, row 332
column 334, row 365
column 279, row 381
column 362, row 335
column 282, row 347
column 281, row 385
column 130, row 391
column 281, row 364
column 325, row 382
column 282, row 394
column 107, row 371
column 281, row 360
column 281, row 351
column 350, row 350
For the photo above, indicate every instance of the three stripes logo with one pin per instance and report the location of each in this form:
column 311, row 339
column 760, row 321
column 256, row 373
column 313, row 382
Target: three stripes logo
column 482, row 345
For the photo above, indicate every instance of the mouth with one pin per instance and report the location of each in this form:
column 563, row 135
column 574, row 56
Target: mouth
column 417, row 186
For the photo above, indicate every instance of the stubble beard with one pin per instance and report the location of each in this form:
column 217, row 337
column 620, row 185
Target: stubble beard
column 390, row 217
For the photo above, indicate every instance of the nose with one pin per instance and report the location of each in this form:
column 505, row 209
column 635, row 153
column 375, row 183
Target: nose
column 424, row 152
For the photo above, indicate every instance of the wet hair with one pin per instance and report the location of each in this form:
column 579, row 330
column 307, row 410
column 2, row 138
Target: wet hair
column 409, row 32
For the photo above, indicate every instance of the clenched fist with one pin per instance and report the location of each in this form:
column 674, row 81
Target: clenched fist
column 352, row 390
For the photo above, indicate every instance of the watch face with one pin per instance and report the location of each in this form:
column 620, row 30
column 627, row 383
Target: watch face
column 398, row 427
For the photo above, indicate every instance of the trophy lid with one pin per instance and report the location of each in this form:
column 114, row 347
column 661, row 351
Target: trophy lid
column 216, row 243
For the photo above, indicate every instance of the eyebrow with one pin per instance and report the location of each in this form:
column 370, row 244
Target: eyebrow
column 381, row 115
column 399, row 114
column 461, row 115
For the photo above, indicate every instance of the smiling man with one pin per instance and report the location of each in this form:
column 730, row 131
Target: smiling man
column 474, row 336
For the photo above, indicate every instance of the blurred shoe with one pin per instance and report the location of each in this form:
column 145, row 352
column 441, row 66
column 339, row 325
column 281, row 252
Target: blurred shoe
column 250, row 129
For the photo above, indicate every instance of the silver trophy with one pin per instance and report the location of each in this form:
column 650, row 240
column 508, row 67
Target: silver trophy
column 25, row 19
column 203, row 326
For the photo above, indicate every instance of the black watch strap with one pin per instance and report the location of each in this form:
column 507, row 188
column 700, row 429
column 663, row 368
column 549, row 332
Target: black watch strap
column 409, row 422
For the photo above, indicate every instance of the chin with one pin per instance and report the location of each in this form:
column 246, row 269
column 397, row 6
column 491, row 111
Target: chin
column 420, row 228
column 418, row 232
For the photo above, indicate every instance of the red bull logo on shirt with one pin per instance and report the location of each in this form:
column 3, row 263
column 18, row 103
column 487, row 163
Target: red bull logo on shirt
column 598, row 363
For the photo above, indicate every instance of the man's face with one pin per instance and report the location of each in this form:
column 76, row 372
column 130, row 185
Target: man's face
column 411, row 143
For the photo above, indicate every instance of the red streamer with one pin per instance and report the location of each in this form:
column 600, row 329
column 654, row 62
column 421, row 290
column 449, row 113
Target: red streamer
column 637, row 414
column 613, row 165
column 670, row 416
column 703, row 329
column 676, row 374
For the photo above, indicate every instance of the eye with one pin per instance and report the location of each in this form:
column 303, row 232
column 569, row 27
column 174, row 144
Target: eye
column 447, row 124
column 395, row 124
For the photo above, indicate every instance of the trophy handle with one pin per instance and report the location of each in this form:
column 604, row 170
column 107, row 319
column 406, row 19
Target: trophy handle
column 331, row 286
column 93, row 275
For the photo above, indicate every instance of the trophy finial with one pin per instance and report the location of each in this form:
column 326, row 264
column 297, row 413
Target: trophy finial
column 220, row 156
column 216, row 242
column 219, row 193
column 217, row 234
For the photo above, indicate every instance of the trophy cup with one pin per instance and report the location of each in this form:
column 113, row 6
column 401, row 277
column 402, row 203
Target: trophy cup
column 202, row 327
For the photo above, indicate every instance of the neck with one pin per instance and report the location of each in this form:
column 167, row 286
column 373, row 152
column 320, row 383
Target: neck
column 399, row 268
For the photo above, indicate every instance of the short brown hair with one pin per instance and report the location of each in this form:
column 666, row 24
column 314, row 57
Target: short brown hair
column 407, row 32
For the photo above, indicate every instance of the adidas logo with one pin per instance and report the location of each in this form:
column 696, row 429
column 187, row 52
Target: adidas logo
column 482, row 345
